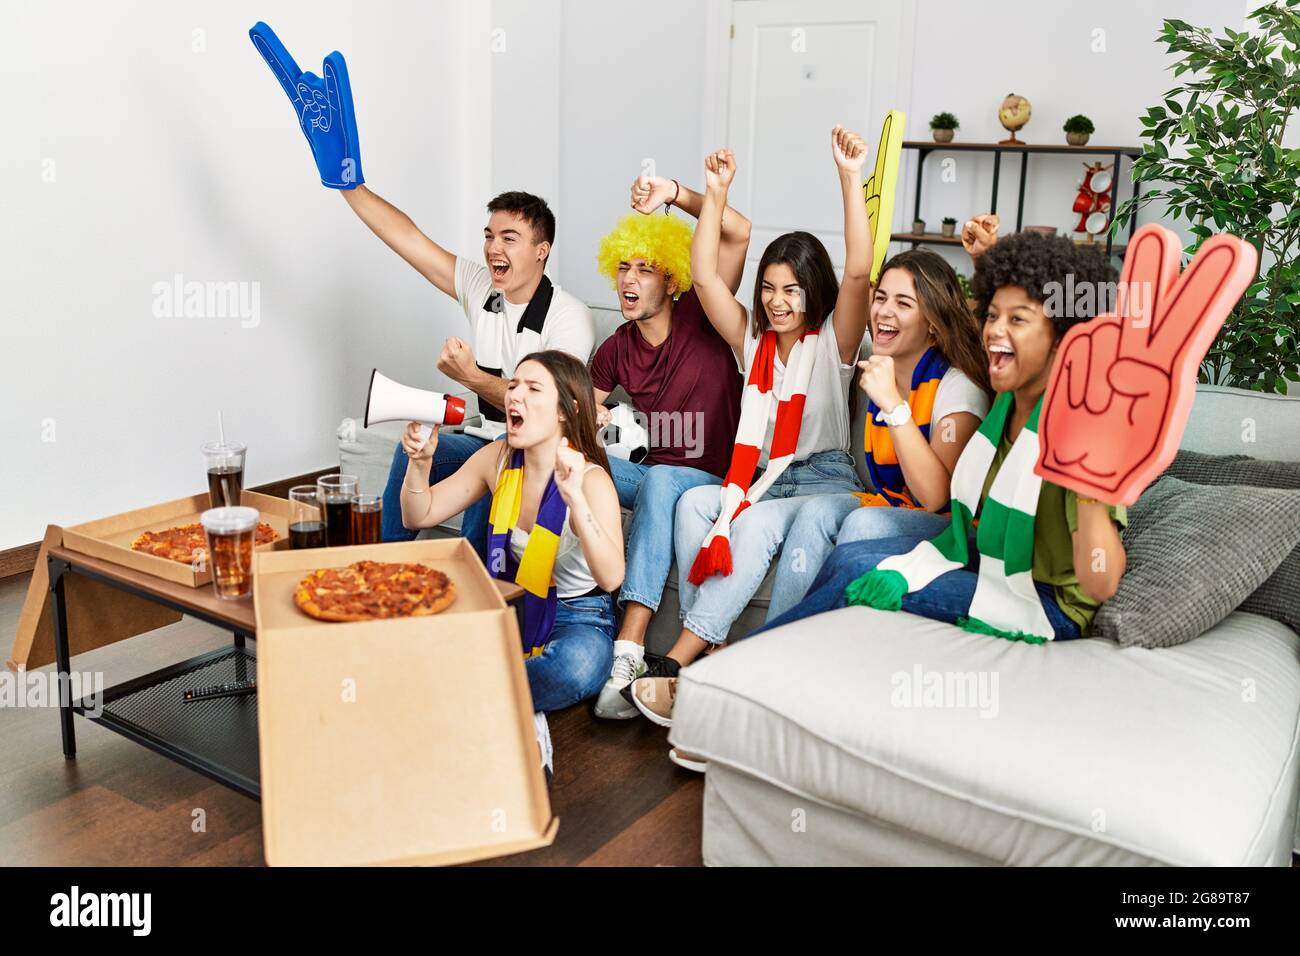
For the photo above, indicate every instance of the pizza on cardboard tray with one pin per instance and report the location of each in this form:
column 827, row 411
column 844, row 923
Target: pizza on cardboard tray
column 184, row 542
column 374, row 590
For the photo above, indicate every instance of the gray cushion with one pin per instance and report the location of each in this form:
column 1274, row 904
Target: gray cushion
column 1195, row 553
column 1279, row 596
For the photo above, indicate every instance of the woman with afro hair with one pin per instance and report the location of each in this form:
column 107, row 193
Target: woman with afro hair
column 1010, row 530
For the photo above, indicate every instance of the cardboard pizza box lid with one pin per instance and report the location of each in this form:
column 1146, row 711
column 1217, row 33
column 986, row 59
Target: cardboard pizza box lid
column 97, row 613
column 406, row 741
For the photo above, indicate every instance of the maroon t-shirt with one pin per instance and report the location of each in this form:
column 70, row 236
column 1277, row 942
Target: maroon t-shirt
column 688, row 387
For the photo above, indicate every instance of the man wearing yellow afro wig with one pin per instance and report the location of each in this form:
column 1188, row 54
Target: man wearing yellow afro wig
column 685, row 387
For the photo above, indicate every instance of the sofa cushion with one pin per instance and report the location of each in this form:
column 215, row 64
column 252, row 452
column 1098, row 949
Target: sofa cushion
column 1279, row 596
column 1195, row 553
column 1080, row 752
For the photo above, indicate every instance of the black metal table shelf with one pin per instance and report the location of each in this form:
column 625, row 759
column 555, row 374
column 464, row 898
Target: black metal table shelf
column 217, row 738
column 925, row 148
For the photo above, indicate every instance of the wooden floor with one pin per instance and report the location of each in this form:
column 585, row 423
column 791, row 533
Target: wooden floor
column 619, row 799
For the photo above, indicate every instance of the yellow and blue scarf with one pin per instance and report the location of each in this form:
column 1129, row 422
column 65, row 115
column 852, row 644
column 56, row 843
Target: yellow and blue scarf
column 882, row 458
column 534, row 572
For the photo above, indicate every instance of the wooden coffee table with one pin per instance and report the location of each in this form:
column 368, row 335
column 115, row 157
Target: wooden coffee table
column 218, row 737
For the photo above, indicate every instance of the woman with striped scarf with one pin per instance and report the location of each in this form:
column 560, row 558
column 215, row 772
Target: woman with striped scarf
column 927, row 389
column 1020, row 558
column 554, row 527
column 797, row 345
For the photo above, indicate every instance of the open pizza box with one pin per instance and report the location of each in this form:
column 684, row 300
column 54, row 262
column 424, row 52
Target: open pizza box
column 404, row 741
column 110, row 538
column 98, row 614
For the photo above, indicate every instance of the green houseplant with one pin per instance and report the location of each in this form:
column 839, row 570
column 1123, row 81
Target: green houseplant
column 1077, row 130
column 942, row 126
column 949, row 226
column 1215, row 158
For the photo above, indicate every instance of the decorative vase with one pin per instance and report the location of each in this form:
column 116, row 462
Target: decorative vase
column 942, row 135
column 949, row 228
column 918, row 227
column 1077, row 139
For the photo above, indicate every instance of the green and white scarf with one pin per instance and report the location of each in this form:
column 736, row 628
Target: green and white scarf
column 1006, row 603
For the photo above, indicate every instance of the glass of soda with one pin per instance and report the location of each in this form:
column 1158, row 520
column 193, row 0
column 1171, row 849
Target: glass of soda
column 367, row 519
column 306, row 526
column 230, row 533
column 336, row 493
column 225, row 461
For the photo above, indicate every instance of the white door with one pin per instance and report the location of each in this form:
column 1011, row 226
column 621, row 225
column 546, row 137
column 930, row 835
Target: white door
column 797, row 70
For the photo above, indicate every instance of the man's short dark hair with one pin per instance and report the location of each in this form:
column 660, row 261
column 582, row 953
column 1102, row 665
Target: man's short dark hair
column 1037, row 263
column 531, row 209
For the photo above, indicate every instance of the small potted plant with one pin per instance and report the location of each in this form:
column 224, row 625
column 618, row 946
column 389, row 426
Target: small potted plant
column 967, row 292
column 1077, row 130
column 942, row 126
column 918, row 227
column 949, row 226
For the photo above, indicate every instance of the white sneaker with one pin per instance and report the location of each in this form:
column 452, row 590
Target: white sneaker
column 545, row 751
column 611, row 704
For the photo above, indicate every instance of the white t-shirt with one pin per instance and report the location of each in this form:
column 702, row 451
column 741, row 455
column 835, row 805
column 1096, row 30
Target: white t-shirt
column 498, row 343
column 826, row 409
column 957, row 393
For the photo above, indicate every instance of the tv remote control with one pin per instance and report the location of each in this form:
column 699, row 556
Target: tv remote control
column 231, row 689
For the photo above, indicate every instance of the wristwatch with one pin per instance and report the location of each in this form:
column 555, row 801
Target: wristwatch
column 901, row 415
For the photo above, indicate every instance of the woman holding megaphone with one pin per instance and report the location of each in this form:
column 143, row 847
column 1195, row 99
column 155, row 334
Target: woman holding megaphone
column 554, row 528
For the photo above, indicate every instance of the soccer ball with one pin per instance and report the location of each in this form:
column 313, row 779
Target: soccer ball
column 625, row 437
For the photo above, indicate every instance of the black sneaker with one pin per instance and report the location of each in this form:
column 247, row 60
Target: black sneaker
column 655, row 666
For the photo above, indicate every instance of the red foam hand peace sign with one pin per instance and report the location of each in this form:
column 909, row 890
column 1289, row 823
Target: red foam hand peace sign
column 1122, row 384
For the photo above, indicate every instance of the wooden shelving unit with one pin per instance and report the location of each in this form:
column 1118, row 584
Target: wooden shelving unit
column 926, row 147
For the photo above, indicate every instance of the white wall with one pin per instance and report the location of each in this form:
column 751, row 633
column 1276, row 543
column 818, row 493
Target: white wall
column 169, row 160
column 634, row 83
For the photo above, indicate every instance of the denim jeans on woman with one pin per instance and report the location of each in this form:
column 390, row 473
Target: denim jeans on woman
column 827, row 520
column 710, row 609
column 651, row 492
column 576, row 660
column 946, row 598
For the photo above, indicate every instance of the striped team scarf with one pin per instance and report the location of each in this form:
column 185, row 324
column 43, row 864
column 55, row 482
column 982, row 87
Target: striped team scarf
column 882, row 459
column 755, row 411
column 1006, row 603
column 534, row 571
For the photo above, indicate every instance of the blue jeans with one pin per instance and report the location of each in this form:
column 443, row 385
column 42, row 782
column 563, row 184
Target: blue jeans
column 826, row 520
column 710, row 609
column 651, row 493
column 453, row 451
column 577, row 659
column 946, row 598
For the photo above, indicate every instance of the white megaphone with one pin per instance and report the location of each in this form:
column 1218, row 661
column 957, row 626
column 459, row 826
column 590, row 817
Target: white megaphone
column 389, row 401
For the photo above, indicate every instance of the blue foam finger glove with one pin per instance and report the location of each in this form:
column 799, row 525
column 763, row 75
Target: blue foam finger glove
column 324, row 109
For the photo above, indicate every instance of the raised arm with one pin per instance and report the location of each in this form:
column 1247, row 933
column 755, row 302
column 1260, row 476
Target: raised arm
column 424, row 506
column 594, row 515
column 852, row 303
column 719, row 301
column 404, row 237
column 651, row 192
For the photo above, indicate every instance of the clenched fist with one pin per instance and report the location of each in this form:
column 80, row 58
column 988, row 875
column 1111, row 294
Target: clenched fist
column 456, row 360
column 879, row 383
column 980, row 234
column 415, row 446
column 570, row 467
